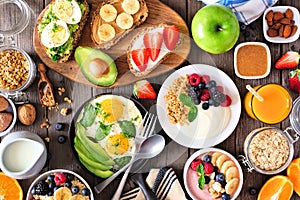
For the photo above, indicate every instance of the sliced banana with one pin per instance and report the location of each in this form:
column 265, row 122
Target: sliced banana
column 62, row 193
column 231, row 173
column 108, row 13
column 124, row 21
column 221, row 159
column 106, row 32
column 214, row 157
column 77, row 197
column 231, row 186
column 131, row 6
column 226, row 165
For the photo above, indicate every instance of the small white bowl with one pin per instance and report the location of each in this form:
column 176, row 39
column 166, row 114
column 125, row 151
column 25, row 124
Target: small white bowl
column 12, row 109
column 202, row 152
column 237, row 48
column 44, row 177
column 282, row 39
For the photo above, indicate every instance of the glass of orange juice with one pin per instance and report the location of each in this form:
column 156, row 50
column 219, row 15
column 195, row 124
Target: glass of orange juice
column 275, row 106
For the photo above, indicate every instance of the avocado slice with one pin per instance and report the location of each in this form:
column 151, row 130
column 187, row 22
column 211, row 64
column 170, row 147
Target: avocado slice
column 89, row 115
column 93, row 148
column 97, row 67
column 97, row 172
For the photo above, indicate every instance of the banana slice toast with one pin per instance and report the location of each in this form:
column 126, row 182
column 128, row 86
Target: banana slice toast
column 112, row 20
column 151, row 47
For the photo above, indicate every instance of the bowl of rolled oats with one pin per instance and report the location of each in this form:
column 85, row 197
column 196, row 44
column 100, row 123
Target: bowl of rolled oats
column 17, row 69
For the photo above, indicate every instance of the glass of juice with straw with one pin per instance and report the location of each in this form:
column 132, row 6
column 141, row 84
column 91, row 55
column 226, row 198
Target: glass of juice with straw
column 270, row 103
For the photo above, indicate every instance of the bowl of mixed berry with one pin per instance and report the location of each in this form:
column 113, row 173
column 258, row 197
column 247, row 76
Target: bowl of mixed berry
column 60, row 184
column 212, row 174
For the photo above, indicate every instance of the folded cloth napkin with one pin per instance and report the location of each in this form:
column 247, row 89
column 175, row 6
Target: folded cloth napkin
column 245, row 10
column 164, row 184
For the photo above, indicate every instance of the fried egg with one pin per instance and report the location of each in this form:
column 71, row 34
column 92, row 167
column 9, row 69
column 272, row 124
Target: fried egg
column 55, row 34
column 68, row 11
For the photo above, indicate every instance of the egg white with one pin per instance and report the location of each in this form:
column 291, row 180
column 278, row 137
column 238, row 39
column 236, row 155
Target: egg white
column 50, row 42
column 68, row 11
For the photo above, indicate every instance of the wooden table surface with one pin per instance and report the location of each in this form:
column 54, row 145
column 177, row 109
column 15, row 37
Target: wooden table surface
column 174, row 155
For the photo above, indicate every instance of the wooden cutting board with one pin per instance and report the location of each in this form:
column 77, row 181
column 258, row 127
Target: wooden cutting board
column 158, row 13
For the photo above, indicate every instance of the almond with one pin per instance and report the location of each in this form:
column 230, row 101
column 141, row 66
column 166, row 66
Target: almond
column 294, row 30
column 292, row 22
column 278, row 16
column 269, row 15
column 276, row 26
column 287, row 31
column 285, row 21
column 281, row 31
column 272, row 32
column 289, row 14
column 270, row 23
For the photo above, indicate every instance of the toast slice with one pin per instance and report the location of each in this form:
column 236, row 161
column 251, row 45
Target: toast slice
column 107, row 28
column 64, row 52
column 151, row 47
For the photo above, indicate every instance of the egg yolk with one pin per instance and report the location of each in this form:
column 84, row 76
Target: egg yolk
column 63, row 9
column 58, row 34
column 117, row 144
column 113, row 110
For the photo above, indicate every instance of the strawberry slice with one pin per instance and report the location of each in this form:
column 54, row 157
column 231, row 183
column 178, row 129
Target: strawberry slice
column 294, row 80
column 171, row 36
column 143, row 90
column 153, row 42
column 289, row 60
column 140, row 57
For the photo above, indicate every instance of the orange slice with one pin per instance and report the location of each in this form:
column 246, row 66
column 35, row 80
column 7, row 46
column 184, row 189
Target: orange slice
column 293, row 172
column 10, row 188
column 278, row 187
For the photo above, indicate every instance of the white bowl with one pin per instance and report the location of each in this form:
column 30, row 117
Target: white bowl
column 281, row 39
column 204, row 151
column 12, row 109
column 44, row 177
column 268, row 60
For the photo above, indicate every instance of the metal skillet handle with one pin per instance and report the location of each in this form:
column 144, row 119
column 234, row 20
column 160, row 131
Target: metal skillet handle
column 148, row 193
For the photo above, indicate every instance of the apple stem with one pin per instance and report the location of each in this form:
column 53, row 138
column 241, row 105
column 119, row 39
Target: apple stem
column 219, row 28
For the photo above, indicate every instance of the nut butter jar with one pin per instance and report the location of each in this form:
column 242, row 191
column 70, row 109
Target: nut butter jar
column 270, row 150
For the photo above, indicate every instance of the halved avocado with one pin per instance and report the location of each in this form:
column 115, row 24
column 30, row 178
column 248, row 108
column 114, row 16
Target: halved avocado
column 97, row 67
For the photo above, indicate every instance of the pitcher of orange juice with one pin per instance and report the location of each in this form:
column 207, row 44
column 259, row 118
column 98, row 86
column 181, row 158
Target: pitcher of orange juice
column 274, row 107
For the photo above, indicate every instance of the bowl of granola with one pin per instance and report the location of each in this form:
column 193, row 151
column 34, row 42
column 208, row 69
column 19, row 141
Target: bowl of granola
column 212, row 173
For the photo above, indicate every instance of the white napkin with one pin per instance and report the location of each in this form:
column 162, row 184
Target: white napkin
column 245, row 10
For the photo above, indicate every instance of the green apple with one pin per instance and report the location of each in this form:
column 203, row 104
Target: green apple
column 215, row 28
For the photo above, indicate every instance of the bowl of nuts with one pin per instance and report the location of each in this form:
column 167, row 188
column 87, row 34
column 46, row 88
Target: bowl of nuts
column 17, row 70
column 8, row 115
column 281, row 24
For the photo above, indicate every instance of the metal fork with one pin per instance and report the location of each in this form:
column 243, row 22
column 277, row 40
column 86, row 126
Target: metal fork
column 144, row 130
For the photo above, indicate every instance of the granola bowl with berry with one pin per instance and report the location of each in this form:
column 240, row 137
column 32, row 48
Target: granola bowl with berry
column 212, row 173
column 60, row 184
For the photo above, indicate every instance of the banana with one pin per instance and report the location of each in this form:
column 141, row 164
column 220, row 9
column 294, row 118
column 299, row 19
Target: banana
column 214, row 157
column 62, row 193
column 231, row 173
column 108, row 13
column 221, row 159
column 231, row 186
column 226, row 165
column 131, row 6
column 106, row 32
column 77, row 197
column 124, row 21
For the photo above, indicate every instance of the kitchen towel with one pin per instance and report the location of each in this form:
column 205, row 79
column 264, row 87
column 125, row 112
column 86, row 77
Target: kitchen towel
column 164, row 184
column 246, row 11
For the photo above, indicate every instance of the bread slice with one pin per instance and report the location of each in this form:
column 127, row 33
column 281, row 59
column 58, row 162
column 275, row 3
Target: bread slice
column 137, row 43
column 97, row 21
column 76, row 35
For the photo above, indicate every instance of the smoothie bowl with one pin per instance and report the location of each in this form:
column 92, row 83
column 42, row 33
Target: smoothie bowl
column 212, row 174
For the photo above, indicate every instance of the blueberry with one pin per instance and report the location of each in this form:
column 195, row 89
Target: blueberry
column 50, row 178
column 33, row 192
column 195, row 88
column 59, row 126
column 252, row 191
column 201, row 85
column 213, row 89
column 207, row 158
column 211, row 102
column 211, row 84
column 216, row 169
column 55, row 188
column 192, row 94
column 51, row 185
column 218, row 97
column 216, row 104
column 61, row 139
column 75, row 189
column 50, row 193
column 70, row 177
column 196, row 101
column 85, row 192
column 68, row 184
column 205, row 106
column 207, row 179
column 225, row 196
column 220, row 177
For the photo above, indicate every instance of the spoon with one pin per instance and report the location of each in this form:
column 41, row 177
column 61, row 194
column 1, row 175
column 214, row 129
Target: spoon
column 45, row 88
column 151, row 147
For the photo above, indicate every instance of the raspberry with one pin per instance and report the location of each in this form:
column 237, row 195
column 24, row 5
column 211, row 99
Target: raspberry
column 205, row 95
column 208, row 168
column 220, row 88
column 227, row 101
column 205, row 79
column 60, row 178
column 195, row 164
column 194, row 79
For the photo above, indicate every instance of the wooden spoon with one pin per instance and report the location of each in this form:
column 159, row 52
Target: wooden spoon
column 45, row 88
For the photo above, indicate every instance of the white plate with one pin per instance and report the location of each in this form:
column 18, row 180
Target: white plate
column 185, row 135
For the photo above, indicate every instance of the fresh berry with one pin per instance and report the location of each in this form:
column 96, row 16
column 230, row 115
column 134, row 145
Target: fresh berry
column 56, row 188
column 192, row 94
column 143, row 90
column 195, row 164
column 85, row 192
column 51, row 185
column 140, row 57
column 194, row 79
column 50, row 178
column 60, row 178
column 61, row 139
column 218, row 96
column 205, row 95
column 205, row 79
column 216, row 169
column 171, row 36
column 211, row 102
column 208, row 168
column 216, row 104
column 70, row 177
column 50, row 193
column 213, row 89
column 289, row 60
column 294, row 80
column 42, row 188
column 227, row 101
column 196, row 101
column 207, row 158
column 33, row 192
column 59, row 126
column 201, row 85
column 205, row 106
column 253, row 191
column 220, row 88
column 207, row 179
column 211, row 83
column 75, row 189
column 153, row 42
column 220, row 177
column 68, row 184
column 194, row 88
column 225, row 196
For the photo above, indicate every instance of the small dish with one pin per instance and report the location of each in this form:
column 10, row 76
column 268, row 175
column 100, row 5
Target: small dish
column 227, row 166
column 252, row 60
column 278, row 39
column 11, row 109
